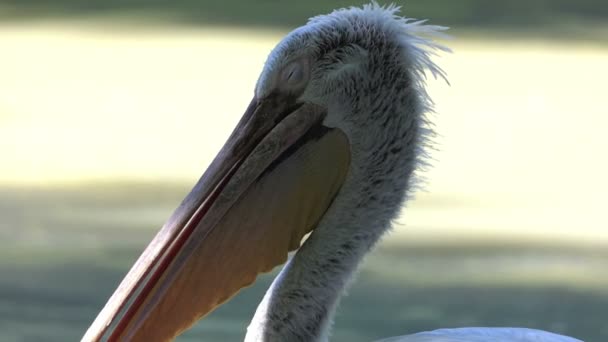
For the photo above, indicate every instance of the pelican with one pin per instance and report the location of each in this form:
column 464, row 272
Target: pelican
column 329, row 146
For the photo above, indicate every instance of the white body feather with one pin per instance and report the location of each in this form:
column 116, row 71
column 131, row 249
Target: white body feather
column 483, row 335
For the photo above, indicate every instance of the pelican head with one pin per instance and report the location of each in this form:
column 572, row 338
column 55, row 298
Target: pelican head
column 328, row 145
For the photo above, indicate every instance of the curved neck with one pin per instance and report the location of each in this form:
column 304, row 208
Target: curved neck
column 301, row 301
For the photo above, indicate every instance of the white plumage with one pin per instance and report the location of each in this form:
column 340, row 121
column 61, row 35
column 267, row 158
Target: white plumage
column 330, row 143
column 371, row 48
column 483, row 335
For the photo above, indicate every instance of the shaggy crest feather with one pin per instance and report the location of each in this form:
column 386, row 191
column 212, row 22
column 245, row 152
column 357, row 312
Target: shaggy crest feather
column 418, row 45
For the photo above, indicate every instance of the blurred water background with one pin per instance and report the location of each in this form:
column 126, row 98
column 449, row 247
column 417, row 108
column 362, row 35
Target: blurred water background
column 110, row 111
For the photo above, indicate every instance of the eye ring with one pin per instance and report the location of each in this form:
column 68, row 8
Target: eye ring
column 296, row 74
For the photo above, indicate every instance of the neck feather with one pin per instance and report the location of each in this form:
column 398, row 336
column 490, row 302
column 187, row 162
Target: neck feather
column 387, row 131
column 301, row 302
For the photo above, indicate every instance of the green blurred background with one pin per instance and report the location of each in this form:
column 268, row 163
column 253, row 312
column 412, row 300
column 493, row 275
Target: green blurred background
column 110, row 110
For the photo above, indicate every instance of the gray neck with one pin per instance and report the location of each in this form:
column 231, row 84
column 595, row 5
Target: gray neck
column 386, row 128
column 301, row 301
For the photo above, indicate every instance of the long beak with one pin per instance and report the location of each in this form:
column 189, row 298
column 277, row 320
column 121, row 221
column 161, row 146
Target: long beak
column 176, row 280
